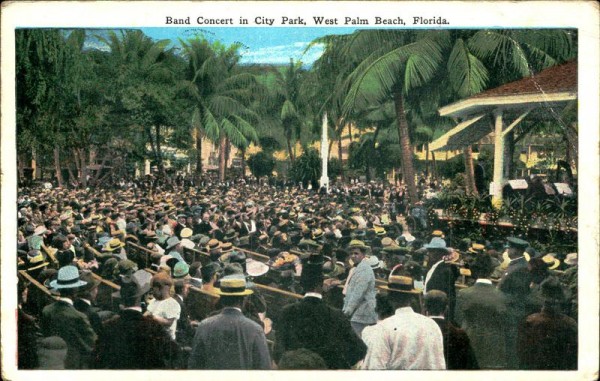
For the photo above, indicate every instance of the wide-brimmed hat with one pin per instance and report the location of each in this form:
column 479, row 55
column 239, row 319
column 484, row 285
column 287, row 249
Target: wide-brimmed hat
column 374, row 262
column 135, row 285
column 355, row 243
column 436, row 243
column 181, row 270
column 40, row 230
column 172, row 242
column 113, row 245
column 67, row 277
column 395, row 249
column 400, row 283
column 35, row 260
column 477, row 248
column 186, row 232
column 551, row 261
column 213, row 244
column 256, row 268
column 226, row 247
column 233, row 287
column 438, row 233
column 318, row 233
column 571, row 259
column 452, row 257
column 379, row 231
column 387, row 241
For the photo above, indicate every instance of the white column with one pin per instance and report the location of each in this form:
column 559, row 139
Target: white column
column 498, row 160
column 146, row 167
column 324, row 181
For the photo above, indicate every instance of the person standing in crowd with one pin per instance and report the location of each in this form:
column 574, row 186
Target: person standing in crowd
column 441, row 275
column 480, row 182
column 131, row 340
column 230, row 340
column 86, row 296
column 359, row 300
column 406, row 340
column 164, row 309
column 62, row 319
column 316, row 326
column 457, row 347
column 517, row 276
column 481, row 311
column 548, row 340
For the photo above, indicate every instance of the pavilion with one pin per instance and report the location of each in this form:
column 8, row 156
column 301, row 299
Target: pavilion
column 542, row 96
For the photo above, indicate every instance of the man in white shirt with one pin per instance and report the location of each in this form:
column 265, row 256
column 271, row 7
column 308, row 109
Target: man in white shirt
column 164, row 309
column 406, row 340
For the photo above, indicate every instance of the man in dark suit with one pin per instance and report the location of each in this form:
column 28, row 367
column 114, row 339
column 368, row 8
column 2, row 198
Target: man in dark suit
column 131, row 340
column 457, row 347
column 314, row 325
column 85, row 299
column 517, row 276
column 441, row 275
column 62, row 319
column 548, row 340
column 481, row 311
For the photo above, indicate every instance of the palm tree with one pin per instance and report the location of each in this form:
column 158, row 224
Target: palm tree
column 143, row 84
column 404, row 65
column 221, row 92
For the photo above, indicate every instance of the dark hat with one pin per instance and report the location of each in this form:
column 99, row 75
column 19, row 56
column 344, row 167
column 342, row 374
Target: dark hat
column 516, row 243
column 553, row 290
column 134, row 286
column 92, row 282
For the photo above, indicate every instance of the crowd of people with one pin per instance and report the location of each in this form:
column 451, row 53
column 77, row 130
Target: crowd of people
column 375, row 295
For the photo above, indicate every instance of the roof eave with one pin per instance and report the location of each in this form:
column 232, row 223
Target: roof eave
column 474, row 105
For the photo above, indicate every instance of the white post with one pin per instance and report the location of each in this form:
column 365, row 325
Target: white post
column 324, row 182
column 146, row 167
column 496, row 190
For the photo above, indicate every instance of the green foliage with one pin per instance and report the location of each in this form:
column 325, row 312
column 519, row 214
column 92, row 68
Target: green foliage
column 307, row 168
column 261, row 164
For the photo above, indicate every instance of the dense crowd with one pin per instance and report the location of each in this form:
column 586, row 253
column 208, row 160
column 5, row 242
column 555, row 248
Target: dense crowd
column 375, row 294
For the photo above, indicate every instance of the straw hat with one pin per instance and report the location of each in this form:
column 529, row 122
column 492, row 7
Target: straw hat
column 551, row 261
column 233, row 287
column 400, row 283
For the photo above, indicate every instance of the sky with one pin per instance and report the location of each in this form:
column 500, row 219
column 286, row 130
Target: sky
column 261, row 45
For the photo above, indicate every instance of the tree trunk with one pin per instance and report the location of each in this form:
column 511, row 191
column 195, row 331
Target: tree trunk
column 340, row 154
column 405, row 147
column 227, row 155
column 84, row 172
column 243, row 163
column 198, row 153
column 434, row 167
column 57, row 167
column 470, row 171
column 159, row 159
column 290, row 151
column 222, row 148
column 427, row 159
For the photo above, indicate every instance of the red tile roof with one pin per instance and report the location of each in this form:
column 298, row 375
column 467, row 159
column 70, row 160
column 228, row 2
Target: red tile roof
column 556, row 79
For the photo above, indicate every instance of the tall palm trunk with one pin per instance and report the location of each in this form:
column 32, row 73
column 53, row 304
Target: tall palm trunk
column 57, row 167
column 243, row 163
column 159, row 159
column 290, row 151
column 339, row 141
column 408, row 170
column 198, row 153
column 222, row 148
column 470, row 171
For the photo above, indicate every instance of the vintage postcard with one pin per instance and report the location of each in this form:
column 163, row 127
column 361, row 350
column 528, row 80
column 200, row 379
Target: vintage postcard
column 261, row 126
